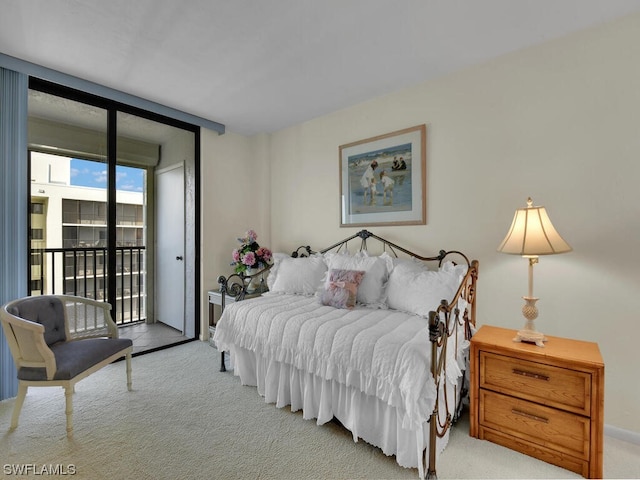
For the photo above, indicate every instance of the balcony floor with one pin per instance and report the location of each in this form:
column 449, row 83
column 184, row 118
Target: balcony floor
column 150, row 337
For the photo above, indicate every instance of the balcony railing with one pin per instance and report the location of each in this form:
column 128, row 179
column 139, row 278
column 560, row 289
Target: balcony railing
column 82, row 271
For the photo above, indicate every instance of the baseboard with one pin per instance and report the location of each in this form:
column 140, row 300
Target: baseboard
column 621, row 434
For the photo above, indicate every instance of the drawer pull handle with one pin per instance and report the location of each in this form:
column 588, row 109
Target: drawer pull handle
column 537, row 376
column 530, row 416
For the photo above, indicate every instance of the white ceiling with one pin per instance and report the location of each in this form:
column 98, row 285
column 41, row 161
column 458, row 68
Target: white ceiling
column 262, row 65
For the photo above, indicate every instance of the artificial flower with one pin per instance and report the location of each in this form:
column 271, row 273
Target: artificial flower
column 250, row 254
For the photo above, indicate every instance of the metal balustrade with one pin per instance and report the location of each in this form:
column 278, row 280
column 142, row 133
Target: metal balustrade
column 82, row 271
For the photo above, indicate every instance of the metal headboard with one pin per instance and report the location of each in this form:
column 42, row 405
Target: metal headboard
column 364, row 235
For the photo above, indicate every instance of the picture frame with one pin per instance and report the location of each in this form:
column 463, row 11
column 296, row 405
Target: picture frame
column 369, row 197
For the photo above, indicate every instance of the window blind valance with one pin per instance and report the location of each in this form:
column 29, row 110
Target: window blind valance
column 78, row 142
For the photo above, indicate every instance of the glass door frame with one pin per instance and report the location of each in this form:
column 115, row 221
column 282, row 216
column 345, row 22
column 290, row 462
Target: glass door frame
column 113, row 107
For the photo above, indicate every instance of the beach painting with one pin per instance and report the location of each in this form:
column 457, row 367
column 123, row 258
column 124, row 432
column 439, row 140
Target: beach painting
column 383, row 179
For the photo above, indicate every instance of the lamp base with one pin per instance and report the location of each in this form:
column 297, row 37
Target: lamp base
column 530, row 336
column 529, row 333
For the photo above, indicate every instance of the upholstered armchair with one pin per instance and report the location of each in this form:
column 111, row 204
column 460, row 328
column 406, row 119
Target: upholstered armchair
column 57, row 340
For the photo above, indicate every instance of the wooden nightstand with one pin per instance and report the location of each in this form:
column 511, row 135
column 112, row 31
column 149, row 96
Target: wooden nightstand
column 547, row 402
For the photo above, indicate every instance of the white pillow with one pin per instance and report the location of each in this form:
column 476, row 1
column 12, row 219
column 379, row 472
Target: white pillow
column 371, row 291
column 458, row 271
column 273, row 271
column 298, row 276
column 414, row 263
column 420, row 292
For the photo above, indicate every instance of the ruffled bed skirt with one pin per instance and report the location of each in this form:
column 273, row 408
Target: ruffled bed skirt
column 366, row 416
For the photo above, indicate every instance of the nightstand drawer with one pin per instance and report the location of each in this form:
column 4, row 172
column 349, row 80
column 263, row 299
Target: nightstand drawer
column 546, row 384
column 537, row 424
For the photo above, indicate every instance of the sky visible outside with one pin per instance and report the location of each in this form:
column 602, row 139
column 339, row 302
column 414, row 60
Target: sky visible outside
column 85, row 173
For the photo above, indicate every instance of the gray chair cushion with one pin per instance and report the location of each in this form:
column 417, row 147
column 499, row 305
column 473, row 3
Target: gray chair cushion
column 47, row 311
column 77, row 356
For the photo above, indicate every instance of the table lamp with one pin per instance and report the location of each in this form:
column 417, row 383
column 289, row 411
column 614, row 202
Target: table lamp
column 531, row 235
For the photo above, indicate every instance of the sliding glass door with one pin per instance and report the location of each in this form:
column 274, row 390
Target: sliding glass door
column 99, row 215
column 68, row 203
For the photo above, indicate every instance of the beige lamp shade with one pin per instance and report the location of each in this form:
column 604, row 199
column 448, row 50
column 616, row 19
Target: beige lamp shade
column 533, row 234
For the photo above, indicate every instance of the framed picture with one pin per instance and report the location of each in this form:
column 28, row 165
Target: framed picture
column 383, row 179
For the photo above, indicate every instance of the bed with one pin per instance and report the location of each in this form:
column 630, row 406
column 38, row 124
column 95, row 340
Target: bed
column 376, row 338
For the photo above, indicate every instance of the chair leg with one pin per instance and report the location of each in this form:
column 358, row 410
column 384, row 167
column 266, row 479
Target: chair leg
column 22, row 393
column 128, row 361
column 68, row 394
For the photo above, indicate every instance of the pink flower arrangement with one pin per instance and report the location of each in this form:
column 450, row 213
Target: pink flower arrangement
column 250, row 254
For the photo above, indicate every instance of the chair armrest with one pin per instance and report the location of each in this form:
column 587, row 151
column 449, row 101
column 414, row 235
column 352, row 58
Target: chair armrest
column 27, row 344
column 87, row 318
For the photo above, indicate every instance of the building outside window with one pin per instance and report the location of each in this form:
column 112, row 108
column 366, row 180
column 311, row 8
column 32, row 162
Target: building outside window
column 69, row 236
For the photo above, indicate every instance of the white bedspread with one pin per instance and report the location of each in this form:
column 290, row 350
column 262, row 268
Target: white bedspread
column 383, row 353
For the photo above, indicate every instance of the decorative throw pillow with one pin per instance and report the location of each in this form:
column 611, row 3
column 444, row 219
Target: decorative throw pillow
column 341, row 288
column 297, row 276
column 372, row 289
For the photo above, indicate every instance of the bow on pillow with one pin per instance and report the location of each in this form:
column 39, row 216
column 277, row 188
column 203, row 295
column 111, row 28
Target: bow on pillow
column 341, row 288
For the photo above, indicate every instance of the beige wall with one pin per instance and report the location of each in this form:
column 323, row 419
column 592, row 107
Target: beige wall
column 559, row 122
column 235, row 197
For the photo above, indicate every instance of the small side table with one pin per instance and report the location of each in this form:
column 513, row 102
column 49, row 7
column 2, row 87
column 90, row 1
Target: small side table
column 215, row 311
column 546, row 402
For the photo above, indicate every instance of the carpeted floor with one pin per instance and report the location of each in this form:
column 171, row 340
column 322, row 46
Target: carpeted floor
column 186, row 420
